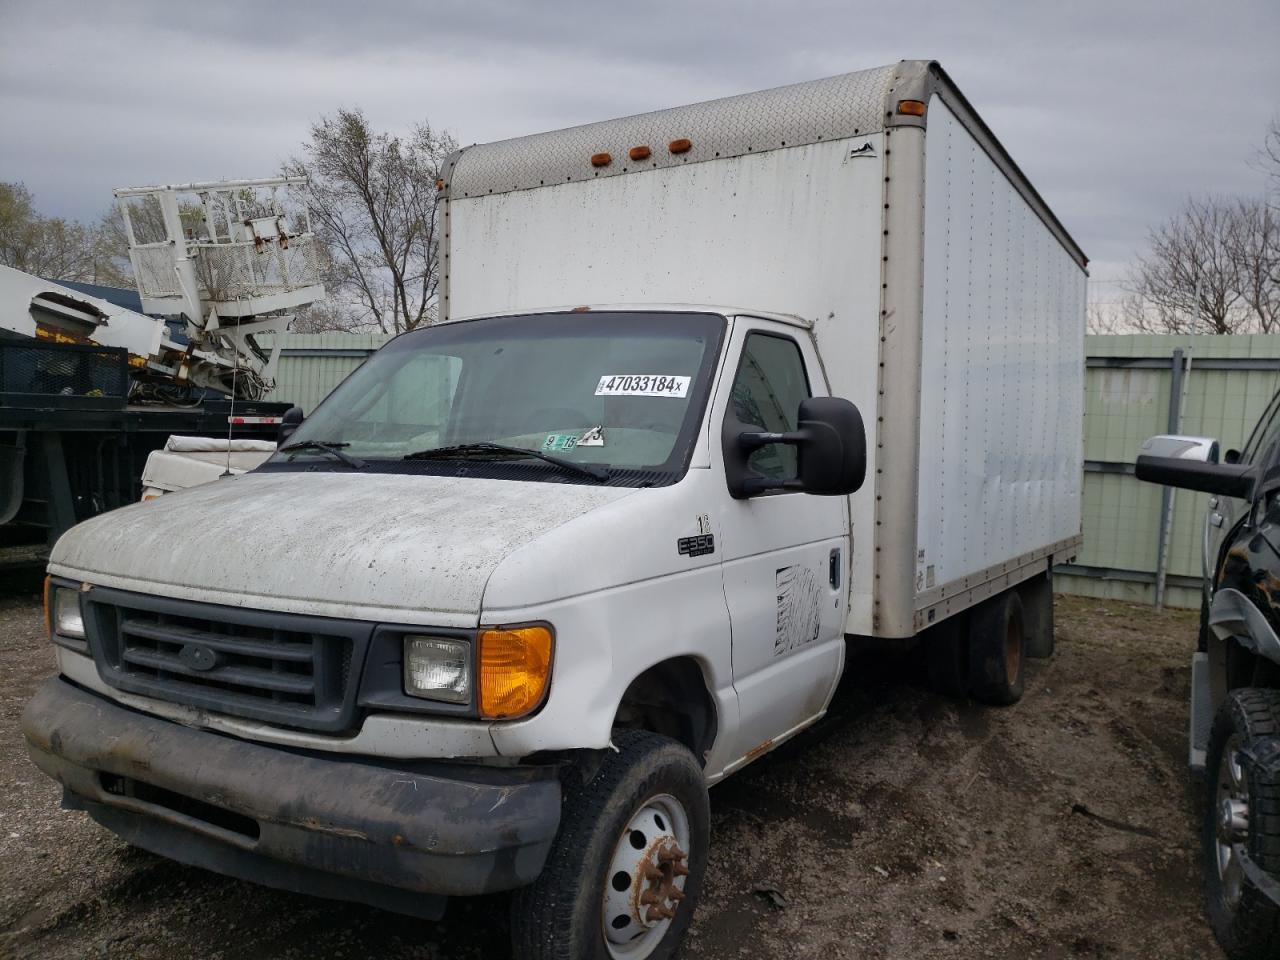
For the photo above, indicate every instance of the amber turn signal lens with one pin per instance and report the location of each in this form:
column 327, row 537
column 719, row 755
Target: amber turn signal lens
column 912, row 108
column 515, row 666
column 601, row 159
column 683, row 145
column 48, row 623
column 439, row 184
column 639, row 153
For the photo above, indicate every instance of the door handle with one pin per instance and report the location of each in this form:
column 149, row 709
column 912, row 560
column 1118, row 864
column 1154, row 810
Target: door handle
column 833, row 569
column 1215, row 519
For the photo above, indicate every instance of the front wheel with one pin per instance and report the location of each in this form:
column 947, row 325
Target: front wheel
column 1239, row 818
column 622, row 879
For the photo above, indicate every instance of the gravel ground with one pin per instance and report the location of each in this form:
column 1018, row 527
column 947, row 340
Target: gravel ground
column 904, row 826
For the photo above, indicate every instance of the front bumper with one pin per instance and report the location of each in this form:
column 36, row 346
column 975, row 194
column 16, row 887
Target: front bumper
column 398, row 837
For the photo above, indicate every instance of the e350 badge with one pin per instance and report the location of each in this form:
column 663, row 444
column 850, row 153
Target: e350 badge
column 698, row 546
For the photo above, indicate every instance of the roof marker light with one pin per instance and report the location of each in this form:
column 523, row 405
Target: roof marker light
column 683, row 145
column 601, row 159
column 639, row 153
column 911, row 108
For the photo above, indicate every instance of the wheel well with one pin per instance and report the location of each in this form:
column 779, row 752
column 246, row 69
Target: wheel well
column 671, row 698
column 1247, row 669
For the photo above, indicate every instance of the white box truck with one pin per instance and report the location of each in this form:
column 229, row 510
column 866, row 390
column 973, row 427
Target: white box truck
column 532, row 579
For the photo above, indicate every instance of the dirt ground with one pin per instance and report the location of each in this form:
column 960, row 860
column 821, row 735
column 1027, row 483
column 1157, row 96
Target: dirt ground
column 905, row 826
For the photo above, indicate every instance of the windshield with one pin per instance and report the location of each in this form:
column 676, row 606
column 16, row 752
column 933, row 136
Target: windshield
column 621, row 390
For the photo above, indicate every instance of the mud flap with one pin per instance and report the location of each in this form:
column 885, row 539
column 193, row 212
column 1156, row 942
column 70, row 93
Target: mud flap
column 1201, row 712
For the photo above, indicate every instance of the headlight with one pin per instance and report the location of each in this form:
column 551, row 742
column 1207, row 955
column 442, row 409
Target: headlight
column 437, row 669
column 515, row 666
column 67, row 619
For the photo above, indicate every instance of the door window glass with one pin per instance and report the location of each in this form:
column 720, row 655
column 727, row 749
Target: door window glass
column 767, row 392
column 1262, row 446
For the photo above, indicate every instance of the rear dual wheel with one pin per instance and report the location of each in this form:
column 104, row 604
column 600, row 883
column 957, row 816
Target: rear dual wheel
column 998, row 650
column 981, row 654
column 624, row 874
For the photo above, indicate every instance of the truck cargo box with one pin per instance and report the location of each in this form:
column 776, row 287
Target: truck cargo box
column 946, row 299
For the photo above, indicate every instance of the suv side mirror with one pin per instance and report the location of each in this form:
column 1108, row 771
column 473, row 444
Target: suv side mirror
column 290, row 422
column 1191, row 463
column 831, row 449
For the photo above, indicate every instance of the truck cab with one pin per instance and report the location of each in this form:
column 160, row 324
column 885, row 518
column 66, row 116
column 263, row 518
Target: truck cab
column 636, row 521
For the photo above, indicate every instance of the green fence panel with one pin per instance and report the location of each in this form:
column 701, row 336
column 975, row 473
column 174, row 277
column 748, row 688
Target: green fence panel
column 1226, row 384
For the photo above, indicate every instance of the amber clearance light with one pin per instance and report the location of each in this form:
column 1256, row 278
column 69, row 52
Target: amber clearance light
column 911, row 108
column 515, row 665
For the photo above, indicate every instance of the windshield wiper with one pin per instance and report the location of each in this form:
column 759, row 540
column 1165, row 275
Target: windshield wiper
column 461, row 450
column 333, row 448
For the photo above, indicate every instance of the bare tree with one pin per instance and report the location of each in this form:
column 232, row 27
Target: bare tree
column 53, row 247
column 1103, row 318
column 1188, row 281
column 1269, row 158
column 1253, row 239
column 376, row 208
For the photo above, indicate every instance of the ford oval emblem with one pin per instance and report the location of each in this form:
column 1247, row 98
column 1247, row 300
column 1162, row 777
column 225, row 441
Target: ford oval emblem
column 198, row 657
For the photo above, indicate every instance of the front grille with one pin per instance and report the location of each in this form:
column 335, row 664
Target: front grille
column 286, row 669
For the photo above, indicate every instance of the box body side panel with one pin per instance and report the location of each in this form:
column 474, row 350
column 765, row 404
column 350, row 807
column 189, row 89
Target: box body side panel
column 1002, row 366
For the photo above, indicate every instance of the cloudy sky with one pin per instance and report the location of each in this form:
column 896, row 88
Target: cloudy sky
column 1116, row 110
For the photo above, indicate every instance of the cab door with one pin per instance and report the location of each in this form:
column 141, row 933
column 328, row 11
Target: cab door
column 785, row 553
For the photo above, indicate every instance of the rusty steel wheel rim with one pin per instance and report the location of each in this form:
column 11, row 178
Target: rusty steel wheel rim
column 645, row 883
column 1012, row 652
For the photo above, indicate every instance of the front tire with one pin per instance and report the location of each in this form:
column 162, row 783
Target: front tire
column 1241, row 814
column 623, row 876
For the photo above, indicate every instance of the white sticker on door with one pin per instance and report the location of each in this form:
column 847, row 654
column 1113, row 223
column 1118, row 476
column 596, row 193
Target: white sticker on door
column 642, row 385
column 799, row 595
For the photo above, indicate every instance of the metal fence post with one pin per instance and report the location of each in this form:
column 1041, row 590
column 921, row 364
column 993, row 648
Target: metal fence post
column 1166, row 493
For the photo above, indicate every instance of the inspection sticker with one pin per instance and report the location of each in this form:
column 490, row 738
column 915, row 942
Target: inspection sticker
column 559, row 441
column 642, row 385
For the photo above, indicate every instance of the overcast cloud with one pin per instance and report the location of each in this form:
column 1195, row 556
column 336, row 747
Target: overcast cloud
column 1116, row 110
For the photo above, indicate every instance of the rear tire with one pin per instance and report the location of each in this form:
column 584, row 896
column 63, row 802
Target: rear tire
column 1246, row 923
column 997, row 650
column 627, row 833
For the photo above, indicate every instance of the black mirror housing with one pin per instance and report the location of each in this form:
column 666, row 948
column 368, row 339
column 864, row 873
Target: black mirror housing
column 1223, row 479
column 833, row 457
column 289, row 422
column 831, row 449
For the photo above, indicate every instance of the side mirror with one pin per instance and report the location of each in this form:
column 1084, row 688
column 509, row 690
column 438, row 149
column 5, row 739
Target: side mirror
column 290, row 422
column 1191, row 463
column 831, row 451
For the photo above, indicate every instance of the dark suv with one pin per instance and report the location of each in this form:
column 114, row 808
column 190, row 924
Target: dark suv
column 1235, row 676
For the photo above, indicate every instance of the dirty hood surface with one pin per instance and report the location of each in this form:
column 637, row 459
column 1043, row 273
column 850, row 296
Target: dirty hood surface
column 417, row 549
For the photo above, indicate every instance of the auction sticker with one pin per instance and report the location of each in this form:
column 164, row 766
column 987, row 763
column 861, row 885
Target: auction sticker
column 642, row 385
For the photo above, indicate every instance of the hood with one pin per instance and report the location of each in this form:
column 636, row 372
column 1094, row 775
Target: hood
column 415, row 549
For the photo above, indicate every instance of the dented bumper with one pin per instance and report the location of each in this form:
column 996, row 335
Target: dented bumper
column 400, row 837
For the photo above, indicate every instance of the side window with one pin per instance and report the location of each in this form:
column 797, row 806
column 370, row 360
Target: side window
column 767, row 392
column 1262, row 445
